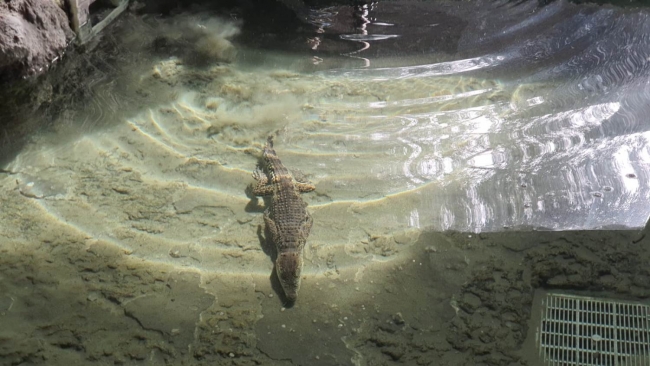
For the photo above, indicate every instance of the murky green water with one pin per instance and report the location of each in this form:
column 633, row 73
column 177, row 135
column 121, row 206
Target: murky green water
column 128, row 236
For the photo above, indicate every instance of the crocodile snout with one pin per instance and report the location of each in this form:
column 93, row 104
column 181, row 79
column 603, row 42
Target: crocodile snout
column 288, row 267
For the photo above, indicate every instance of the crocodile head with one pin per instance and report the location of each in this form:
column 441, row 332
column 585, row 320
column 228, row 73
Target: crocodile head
column 288, row 266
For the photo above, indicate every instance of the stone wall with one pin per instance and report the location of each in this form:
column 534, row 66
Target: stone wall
column 33, row 33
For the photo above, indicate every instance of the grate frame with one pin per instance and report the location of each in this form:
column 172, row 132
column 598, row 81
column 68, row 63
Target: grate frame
column 585, row 331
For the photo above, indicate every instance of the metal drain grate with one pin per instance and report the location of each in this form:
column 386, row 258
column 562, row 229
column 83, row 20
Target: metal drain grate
column 593, row 332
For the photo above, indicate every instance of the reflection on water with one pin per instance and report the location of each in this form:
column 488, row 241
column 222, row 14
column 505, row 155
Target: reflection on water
column 574, row 78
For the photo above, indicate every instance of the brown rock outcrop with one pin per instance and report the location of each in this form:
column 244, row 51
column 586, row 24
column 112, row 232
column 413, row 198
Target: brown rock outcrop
column 33, row 33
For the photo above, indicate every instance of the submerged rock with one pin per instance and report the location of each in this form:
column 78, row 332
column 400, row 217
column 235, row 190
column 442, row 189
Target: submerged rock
column 33, row 33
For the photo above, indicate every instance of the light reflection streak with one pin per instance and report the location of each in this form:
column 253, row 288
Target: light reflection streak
column 593, row 115
column 447, row 218
column 364, row 32
column 479, row 214
column 566, row 129
column 414, row 219
column 622, row 164
column 416, row 150
column 413, row 101
column 422, row 71
column 367, row 37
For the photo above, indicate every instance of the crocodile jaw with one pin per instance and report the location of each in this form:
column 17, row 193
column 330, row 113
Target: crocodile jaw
column 288, row 266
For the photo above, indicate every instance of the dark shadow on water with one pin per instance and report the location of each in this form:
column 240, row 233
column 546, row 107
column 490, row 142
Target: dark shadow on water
column 71, row 89
column 270, row 250
column 23, row 106
column 267, row 244
column 254, row 204
column 277, row 287
column 268, row 247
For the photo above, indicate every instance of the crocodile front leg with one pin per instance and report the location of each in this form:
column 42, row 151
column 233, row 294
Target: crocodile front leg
column 262, row 187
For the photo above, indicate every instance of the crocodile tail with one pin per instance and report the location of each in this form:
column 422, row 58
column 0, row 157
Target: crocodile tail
column 268, row 149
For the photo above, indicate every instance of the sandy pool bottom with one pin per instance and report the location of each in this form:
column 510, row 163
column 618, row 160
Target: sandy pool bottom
column 135, row 245
column 455, row 299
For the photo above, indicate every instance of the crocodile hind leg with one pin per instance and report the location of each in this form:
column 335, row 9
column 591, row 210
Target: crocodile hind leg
column 299, row 176
column 270, row 224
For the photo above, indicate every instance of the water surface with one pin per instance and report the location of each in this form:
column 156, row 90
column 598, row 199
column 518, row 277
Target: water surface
column 411, row 119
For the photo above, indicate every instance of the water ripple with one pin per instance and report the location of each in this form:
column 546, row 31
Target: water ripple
column 535, row 119
column 421, row 71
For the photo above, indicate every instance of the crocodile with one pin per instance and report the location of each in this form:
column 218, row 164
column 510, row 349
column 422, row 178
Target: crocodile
column 286, row 218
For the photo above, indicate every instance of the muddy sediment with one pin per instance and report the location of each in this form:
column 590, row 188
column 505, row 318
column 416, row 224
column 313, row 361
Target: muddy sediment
column 453, row 299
